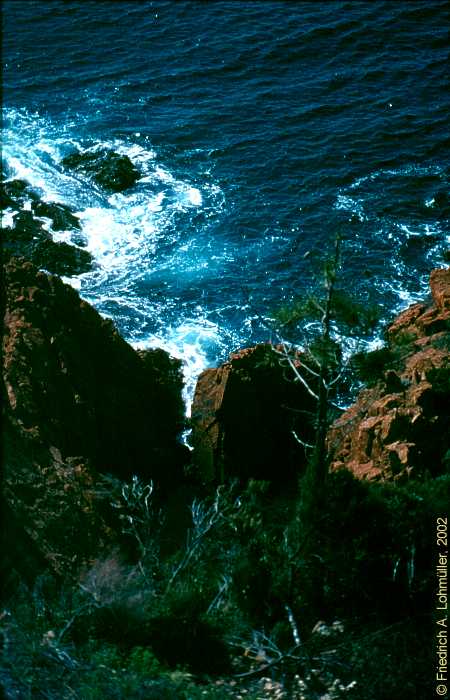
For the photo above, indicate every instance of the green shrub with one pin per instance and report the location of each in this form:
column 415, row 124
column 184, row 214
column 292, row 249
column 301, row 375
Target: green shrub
column 370, row 366
column 252, row 577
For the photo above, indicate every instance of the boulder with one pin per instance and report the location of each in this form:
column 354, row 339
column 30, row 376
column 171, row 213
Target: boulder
column 110, row 170
column 6, row 202
column 442, row 202
column 78, row 401
column 14, row 193
column 244, row 416
column 15, row 188
column 27, row 228
column 400, row 427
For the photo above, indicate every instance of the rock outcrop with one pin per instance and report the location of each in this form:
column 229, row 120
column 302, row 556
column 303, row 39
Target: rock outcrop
column 244, row 416
column 400, row 427
column 247, row 412
column 110, row 170
column 78, row 400
column 61, row 215
column 28, row 238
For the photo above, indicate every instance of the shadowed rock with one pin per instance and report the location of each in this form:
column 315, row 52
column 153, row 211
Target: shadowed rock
column 60, row 214
column 29, row 239
column 78, row 400
column 243, row 417
column 14, row 193
column 108, row 169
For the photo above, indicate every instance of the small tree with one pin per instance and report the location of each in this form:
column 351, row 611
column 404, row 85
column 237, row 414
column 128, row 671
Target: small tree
column 320, row 367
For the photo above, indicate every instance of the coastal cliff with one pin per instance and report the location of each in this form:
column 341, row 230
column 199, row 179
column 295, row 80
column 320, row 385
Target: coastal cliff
column 246, row 412
column 78, row 401
column 400, row 427
column 245, row 416
column 89, row 425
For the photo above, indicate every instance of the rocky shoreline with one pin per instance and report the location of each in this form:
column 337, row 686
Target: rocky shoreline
column 93, row 463
column 79, row 402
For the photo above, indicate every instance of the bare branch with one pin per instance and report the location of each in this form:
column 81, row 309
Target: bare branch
column 301, row 379
column 293, row 624
column 301, row 442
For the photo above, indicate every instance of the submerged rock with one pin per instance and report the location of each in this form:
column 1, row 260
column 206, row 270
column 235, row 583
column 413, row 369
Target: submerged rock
column 110, row 170
column 15, row 192
column 400, row 427
column 29, row 239
column 78, row 400
column 244, row 415
column 6, row 202
column 27, row 228
column 442, row 202
column 15, row 188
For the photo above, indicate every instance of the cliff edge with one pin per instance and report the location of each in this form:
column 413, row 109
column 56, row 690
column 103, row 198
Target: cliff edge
column 77, row 401
column 400, row 427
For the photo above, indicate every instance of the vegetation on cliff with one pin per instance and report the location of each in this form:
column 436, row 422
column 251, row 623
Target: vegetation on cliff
column 242, row 608
column 132, row 569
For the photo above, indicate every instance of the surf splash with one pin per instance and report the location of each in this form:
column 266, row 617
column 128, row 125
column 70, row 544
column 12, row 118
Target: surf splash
column 148, row 243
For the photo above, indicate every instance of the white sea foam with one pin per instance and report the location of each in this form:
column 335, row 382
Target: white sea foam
column 7, row 217
column 350, row 204
column 195, row 196
column 194, row 343
column 403, row 273
column 135, row 236
column 73, row 281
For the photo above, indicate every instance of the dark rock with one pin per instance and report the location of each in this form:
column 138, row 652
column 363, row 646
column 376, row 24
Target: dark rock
column 60, row 214
column 112, row 171
column 393, row 383
column 15, row 188
column 18, row 190
column 6, row 202
column 442, row 202
column 61, row 258
column 78, row 400
column 30, row 240
column 27, row 228
column 14, row 193
column 243, row 417
column 79, row 239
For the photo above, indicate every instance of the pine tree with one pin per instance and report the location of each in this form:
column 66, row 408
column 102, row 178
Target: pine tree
column 320, row 367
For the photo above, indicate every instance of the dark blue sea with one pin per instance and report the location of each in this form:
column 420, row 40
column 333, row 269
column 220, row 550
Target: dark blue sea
column 261, row 128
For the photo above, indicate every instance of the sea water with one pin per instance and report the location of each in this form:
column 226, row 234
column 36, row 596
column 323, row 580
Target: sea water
column 260, row 129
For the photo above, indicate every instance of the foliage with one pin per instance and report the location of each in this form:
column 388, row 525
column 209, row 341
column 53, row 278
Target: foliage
column 251, row 598
column 370, row 366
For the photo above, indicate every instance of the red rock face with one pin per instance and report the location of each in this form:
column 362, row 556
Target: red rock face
column 78, row 400
column 406, row 432
column 440, row 288
column 243, row 416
